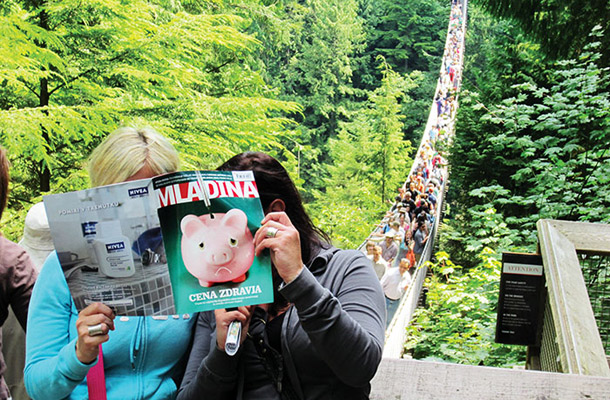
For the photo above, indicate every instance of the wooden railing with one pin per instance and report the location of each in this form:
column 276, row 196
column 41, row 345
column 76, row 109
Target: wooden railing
column 571, row 346
column 414, row 380
column 571, row 342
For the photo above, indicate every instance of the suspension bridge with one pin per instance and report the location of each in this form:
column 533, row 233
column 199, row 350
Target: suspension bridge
column 571, row 361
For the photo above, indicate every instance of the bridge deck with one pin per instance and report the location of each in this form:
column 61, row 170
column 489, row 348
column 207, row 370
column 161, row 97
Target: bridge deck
column 414, row 379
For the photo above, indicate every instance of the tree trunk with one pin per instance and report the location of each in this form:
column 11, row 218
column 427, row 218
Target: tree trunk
column 44, row 172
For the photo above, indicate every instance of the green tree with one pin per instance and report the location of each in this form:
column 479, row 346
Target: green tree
column 369, row 161
column 411, row 36
column 539, row 151
column 73, row 72
column 315, row 71
column 561, row 26
column 560, row 134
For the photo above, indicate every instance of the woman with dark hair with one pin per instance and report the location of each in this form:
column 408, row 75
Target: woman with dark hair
column 275, row 187
column 17, row 273
column 322, row 338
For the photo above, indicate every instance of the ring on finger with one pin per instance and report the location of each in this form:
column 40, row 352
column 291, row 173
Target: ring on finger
column 271, row 232
column 95, row 330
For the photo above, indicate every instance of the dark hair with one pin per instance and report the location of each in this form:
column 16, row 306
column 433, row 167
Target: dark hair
column 422, row 217
column 4, row 179
column 273, row 182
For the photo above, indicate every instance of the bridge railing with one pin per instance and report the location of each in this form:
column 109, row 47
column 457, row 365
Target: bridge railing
column 575, row 309
column 419, row 380
column 395, row 333
column 575, row 333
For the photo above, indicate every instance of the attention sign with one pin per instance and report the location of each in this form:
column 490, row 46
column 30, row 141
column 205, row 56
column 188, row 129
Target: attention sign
column 520, row 299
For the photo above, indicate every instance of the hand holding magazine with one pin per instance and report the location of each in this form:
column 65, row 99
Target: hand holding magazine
column 176, row 243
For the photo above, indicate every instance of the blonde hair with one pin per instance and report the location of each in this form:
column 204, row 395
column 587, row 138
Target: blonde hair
column 126, row 151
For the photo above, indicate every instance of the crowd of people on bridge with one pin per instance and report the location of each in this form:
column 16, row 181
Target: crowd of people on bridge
column 396, row 245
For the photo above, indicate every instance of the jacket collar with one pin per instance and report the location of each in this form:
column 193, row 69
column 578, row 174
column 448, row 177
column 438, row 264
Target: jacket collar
column 320, row 261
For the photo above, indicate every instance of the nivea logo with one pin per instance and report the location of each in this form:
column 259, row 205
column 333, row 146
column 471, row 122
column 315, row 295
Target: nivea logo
column 141, row 191
column 112, row 247
column 89, row 228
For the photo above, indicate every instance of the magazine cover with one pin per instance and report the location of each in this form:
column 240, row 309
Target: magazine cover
column 208, row 220
column 108, row 241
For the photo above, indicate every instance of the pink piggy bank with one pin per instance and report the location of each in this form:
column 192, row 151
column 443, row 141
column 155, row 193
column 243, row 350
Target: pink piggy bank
column 219, row 249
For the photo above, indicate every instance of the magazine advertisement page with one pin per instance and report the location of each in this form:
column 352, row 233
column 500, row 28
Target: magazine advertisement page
column 108, row 241
column 208, row 220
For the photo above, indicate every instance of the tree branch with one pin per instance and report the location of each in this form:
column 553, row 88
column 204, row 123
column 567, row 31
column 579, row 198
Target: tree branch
column 30, row 88
column 218, row 67
column 86, row 72
column 68, row 16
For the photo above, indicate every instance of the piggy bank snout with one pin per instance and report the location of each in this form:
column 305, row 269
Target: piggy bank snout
column 220, row 256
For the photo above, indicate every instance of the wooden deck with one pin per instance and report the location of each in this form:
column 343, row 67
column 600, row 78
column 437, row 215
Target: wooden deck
column 412, row 379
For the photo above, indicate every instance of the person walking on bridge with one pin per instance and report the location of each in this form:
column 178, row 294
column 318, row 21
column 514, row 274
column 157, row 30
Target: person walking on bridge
column 389, row 248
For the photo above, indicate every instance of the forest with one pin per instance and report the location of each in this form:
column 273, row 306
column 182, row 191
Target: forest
column 339, row 92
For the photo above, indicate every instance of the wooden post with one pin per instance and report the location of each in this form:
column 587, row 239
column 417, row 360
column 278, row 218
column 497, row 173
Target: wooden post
column 580, row 348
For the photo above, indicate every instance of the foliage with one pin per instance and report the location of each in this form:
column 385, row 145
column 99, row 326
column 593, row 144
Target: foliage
column 369, row 161
column 560, row 134
column 561, row 26
column 410, row 35
column 370, row 147
column 83, row 70
column 314, row 68
column 538, row 151
column 458, row 324
column 485, row 228
column 72, row 73
column 347, row 223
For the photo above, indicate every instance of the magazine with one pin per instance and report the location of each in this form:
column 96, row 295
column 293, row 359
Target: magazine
column 208, row 220
column 122, row 244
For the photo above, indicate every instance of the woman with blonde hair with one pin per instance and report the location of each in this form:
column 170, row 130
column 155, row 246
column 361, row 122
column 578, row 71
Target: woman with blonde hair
column 129, row 154
column 143, row 356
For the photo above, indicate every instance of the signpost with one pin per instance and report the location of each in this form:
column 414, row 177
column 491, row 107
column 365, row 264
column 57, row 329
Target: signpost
column 520, row 299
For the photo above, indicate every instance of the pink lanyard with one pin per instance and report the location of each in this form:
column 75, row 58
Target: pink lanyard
column 96, row 381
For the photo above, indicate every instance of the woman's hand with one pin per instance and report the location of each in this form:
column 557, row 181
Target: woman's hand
column 285, row 245
column 223, row 320
column 87, row 346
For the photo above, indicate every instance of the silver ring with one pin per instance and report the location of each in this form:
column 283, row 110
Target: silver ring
column 271, row 232
column 95, row 330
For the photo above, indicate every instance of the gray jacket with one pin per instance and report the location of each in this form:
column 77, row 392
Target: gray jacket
column 332, row 337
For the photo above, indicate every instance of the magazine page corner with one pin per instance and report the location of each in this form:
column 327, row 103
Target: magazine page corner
column 109, row 245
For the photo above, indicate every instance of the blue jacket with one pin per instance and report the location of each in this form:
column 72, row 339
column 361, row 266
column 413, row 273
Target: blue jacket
column 140, row 358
